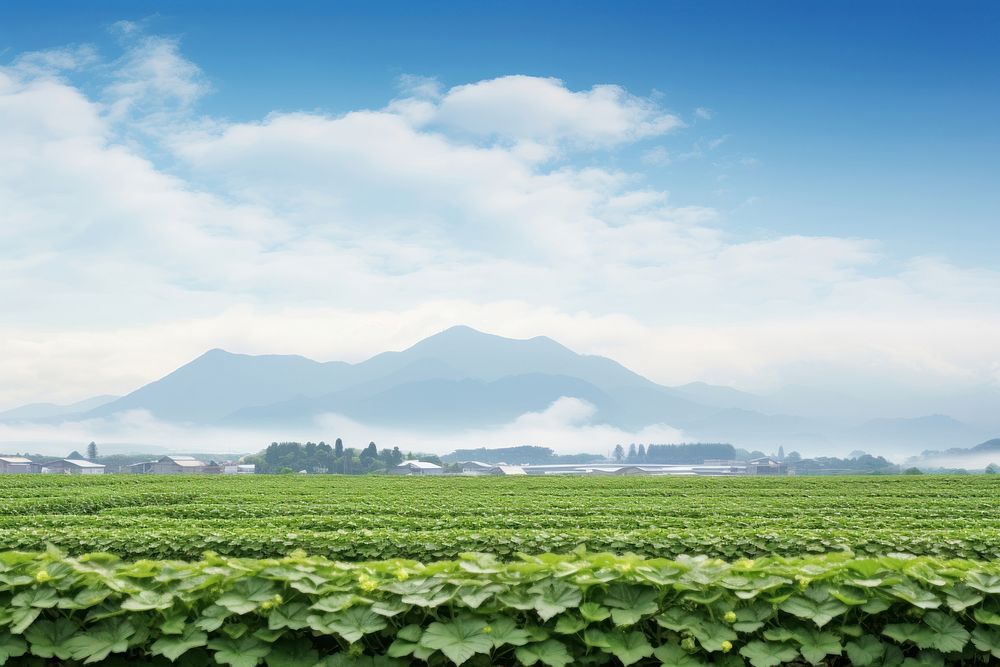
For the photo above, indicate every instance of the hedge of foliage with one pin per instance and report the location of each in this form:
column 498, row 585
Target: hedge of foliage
column 554, row 610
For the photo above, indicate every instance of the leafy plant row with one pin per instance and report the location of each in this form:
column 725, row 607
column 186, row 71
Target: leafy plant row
column 715, row 540
column 378, row 517
column 553, row 610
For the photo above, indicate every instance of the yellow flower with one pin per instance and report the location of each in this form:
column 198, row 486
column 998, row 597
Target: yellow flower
column 730, row 617
column 367, row 583
column 727, row 646
column 42, row 576
column 402, row 574
column 488, row 629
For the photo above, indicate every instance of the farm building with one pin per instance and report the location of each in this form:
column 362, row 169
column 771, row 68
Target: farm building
column 766, row 466
column 70, row 467
column 507, row 470
column 239, row 468
column 174, row 465
column 14, row 464
column 476, row 468
column 417, row 468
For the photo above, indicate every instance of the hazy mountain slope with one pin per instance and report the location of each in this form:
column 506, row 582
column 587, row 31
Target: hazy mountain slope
column 437, row 404
column 488, row 357
column 462, row 378
column 936, row 431
column 395, row 386
column 218, row 383
column 38, row 411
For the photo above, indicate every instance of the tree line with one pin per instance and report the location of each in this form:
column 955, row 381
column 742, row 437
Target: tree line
column 320, row 457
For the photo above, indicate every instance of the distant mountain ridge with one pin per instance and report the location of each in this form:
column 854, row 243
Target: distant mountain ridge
column 37, row 411
column 463, row 379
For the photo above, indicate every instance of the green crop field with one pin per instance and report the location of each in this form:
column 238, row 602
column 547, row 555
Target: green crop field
column 365, row 518
column 331, row 570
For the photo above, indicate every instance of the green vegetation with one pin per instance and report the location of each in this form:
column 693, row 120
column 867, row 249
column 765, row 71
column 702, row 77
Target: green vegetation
column 579, row 609
column 376, row 517
column 404, row 589
column 312, row 457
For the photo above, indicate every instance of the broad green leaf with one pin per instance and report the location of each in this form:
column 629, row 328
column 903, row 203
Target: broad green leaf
column 11, row 647
column 551, row 652
column 459, row 639
column 174, row 646
column 713, row 636
column 628, row 647
column 949, row 635
column 504, row 630
column 594, row 612
column 987, row 640
column 146, row 600
column 97, row 644
column 961, row 597
column 865, row 650
column 554, row 597
column 293, row 616
column 672, row 655
column 751, row 619
column 570, row 624
column 819, row 613
column 246, row 595
column 292, row 653
column 243, row 652
column 48, row 638
column 817, row 644
column 920, row 635
column 986, row 616
column 768, row 654
column 355, row 623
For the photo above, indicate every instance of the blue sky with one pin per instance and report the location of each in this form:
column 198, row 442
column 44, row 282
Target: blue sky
column 750, row 194
column 875, row 119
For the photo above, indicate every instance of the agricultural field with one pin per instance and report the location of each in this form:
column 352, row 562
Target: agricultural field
column 366, row 518
column 331, row 570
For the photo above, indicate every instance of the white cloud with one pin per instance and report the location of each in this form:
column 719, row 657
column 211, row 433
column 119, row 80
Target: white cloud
column 527, row 108
column 152, row 84
column 340, row 236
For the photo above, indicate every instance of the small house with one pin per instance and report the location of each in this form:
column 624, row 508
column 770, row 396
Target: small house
column 476, row 468
column 176, row 465
column 14, row 464
column 71, row 467
column 766, row 466
column 506, row 470
column 417, row 468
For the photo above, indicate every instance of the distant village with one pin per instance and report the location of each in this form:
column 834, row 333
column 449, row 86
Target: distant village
column 165, row 465
column 681, row 460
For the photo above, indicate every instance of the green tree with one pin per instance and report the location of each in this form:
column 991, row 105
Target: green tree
column 619, row 453
column 992, row 469
column 92, row 451
column 913, row 471
column 338, row 448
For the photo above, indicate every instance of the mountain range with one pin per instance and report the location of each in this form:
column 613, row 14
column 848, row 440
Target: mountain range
column 462, row 379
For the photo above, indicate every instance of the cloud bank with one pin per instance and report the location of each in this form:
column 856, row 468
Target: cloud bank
column 564, row 426
column 137, row 232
